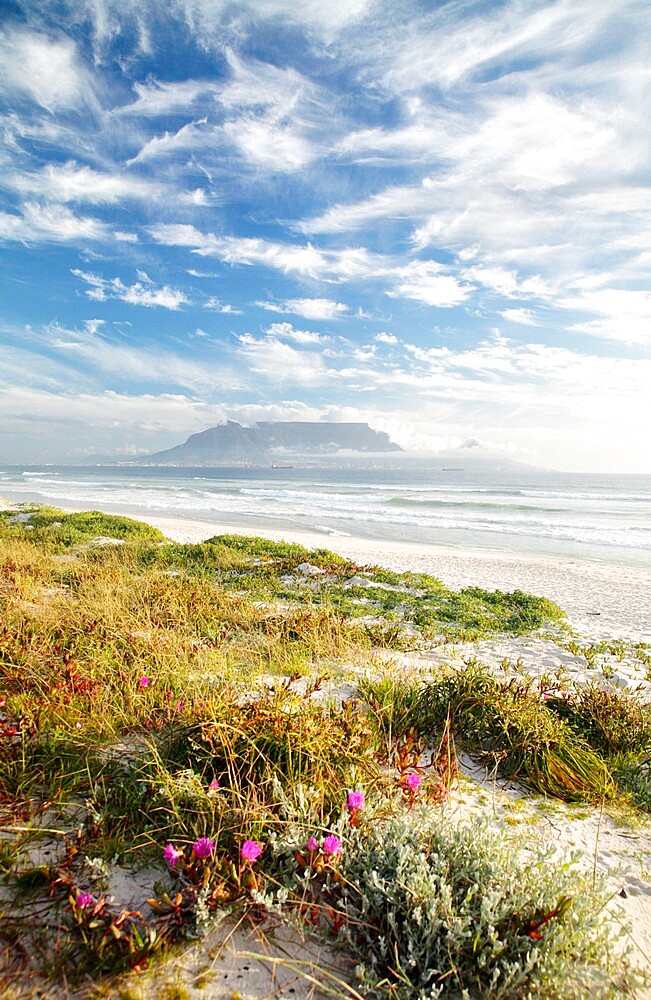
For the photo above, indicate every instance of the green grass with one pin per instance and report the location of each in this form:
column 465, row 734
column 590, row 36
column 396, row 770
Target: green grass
column 133, row 676
column 511, row 728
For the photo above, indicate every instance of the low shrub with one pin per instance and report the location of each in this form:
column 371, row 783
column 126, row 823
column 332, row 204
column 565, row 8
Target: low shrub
column 612, row 722
column 435, row 911
column 56, row 529
column 279, row 736
column 510, row 726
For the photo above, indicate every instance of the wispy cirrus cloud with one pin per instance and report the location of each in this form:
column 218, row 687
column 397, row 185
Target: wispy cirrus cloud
column 289, row 332
column 279, row 362
column 101, row 351
column 74, row 182
column 141, row 293
column 450, row 46
column 277, row 145
column 621, row 314
column 50, row 222
column 290, row 258
column 524, row 317
column 320, row 309
column 216, row 305
column 191, row 136
column 156, row 98
column 269, row 115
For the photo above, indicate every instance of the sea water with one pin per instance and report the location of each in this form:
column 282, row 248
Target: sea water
column 514, row 510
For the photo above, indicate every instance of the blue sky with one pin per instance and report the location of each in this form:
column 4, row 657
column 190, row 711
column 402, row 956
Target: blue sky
column 431, row 216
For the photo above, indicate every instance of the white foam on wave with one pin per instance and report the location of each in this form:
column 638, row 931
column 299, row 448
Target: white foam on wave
column 346, row 506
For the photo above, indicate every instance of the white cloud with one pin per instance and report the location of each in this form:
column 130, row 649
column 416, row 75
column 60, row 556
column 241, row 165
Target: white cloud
column 450, row 45
column 303, row 260
column 274, row 114
column 426, row 282
column 506, row 282
column 74, row 182
column 221, row 307
column 207, row 20
column 156, row 97
column 141, row 293
column 524, row 317
column 93, row 325
column 263, row 85
column 307, row 308
column 281, row 363
column 622, row 314
column 193, row 135
column 277, row 146
column 43, row 68
column 422, row 139
column 138, row 364
column 289, row 332
column 50, row 222
column 394, row 202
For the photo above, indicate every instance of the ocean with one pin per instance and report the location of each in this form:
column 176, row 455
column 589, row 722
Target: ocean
column 594, row 517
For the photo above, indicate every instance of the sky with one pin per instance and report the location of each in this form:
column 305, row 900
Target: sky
column 431, row 216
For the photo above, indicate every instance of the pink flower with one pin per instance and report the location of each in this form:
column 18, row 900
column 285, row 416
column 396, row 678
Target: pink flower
column 413, row 781
column 83, row 900
column 213, row 786
column 203, row 847
column 251, row 850
column 313, row 844
column 171, row 854
column 145, row 682
column 355, row 801
column 331, row 845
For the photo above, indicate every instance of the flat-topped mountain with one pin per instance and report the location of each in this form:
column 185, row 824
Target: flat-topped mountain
column 272, row 441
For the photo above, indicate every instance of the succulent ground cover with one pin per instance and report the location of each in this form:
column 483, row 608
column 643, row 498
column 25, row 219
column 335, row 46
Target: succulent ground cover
column 165, row 710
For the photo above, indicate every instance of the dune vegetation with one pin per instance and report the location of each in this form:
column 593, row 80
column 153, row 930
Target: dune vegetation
column 223, row 717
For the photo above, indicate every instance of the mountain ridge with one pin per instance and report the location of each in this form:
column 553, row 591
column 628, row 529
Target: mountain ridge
column 267, row 441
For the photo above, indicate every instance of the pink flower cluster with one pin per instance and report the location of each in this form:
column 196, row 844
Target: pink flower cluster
column 203, row 848
column 331, row 845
